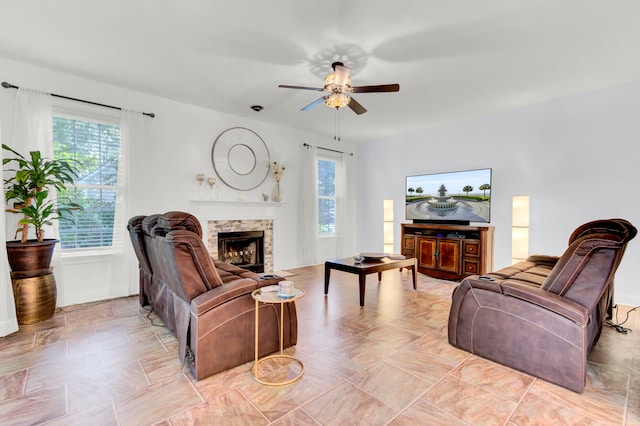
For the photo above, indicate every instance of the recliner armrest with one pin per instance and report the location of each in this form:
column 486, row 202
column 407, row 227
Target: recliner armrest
column 474, row 282
column 542, row 259
column 545, row 299
column 219, row 295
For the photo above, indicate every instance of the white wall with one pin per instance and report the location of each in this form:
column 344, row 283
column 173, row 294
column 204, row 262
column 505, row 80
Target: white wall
column 577, row 158
column 179, row 142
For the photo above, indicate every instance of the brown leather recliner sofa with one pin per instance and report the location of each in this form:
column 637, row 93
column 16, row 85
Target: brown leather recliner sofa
column 544, row 315
column 207, row 304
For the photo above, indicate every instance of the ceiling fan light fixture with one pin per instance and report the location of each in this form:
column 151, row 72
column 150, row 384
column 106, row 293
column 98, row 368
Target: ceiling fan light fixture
column 338, row 90
column 337, row 100
column 330, row 81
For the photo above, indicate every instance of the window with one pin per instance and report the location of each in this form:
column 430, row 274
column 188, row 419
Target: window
column 326, row 197
column 95, row 146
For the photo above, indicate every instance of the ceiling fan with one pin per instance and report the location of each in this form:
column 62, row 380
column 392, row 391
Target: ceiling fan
column 338, row 86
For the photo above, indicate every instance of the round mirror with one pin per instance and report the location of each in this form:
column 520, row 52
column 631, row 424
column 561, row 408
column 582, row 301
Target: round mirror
column 240, row 158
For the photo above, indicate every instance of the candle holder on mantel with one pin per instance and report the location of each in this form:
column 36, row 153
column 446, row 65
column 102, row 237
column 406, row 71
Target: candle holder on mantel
column 200, row 177
column 212, row 184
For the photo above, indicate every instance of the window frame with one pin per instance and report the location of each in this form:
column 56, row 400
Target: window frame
column 337, row 160
column 72, row 111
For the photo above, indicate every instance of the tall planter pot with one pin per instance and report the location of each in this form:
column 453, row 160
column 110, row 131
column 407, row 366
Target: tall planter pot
column 34, row 286
column 34, row 296
column 31, row 256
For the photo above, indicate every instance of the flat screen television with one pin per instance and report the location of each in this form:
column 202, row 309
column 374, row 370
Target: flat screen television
column 452, row 197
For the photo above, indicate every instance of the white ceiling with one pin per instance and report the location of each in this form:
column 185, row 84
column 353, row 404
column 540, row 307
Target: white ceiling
column 452, row 59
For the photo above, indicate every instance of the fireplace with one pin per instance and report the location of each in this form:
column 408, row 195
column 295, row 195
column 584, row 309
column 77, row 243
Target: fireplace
column 244, row 249
column 216, row 227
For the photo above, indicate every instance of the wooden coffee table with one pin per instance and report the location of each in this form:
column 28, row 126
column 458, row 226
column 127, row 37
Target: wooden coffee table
column 365, row 268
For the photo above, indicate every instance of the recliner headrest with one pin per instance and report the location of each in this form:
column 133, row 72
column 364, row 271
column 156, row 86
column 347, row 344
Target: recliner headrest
column 619, row 227
column 149, row 222
column 135, row 223
column 173, row 221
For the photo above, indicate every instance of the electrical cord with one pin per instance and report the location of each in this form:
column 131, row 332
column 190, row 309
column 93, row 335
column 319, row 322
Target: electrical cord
column 618, row 326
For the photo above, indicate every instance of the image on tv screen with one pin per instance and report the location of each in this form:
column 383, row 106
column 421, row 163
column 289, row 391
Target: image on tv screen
column 453, row 196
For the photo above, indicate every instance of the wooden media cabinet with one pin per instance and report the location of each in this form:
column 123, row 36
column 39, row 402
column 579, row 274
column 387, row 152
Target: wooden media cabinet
column 450, row 252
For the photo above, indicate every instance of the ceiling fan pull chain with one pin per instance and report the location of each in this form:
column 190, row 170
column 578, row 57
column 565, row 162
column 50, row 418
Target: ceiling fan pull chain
column 336, row 126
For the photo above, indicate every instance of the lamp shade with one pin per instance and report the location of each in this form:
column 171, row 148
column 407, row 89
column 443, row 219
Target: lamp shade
column 387, row 206
column 520, row 210
column 519, row 228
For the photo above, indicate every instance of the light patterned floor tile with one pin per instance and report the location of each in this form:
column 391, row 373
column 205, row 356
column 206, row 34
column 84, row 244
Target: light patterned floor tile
column 347, row 404
column 231, row 408
column 276, row 401
column 328, row 369
column 34, row 408
column 421, row 412
column 362, row 351
column 469, row 403
column 390, row 336
column 600, row 405
column 533, row 408
column 493, row 377
column 12, row 385
column 391, row 385
column 157, row 402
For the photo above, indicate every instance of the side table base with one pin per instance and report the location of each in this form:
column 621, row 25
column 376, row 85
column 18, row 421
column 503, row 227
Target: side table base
column 254, row 370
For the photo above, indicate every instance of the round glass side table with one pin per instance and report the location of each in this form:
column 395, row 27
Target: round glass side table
column 272, row 297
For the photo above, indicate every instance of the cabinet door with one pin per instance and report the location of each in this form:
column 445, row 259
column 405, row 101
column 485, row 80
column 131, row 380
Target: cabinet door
column 409, row 246
column 471, row 266
column 427, row 253
column 449, row 256
column 471, row 248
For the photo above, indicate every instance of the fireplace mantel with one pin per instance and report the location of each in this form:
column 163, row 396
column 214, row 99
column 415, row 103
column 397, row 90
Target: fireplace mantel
column 239, row 203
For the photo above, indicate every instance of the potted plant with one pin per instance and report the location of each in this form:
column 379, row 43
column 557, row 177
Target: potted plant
column 27, row 186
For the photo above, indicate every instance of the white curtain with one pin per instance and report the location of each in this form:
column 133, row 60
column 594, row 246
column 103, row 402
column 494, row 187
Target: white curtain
column 33, row 123
column 345, row 202
column 123, row 280
column 8, row 318
column 309, row 217
column 33, row 131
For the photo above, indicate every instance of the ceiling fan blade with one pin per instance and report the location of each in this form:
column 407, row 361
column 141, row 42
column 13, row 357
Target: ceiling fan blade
column 378, row 88
column 356, row 107
column 342, row 74
column 312, row 104
column 286, row 86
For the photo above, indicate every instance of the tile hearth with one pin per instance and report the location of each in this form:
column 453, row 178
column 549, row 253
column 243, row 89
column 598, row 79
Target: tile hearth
column 113, row 363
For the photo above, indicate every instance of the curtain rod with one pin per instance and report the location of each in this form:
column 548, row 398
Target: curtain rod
column 306, row 145
column 11, row 86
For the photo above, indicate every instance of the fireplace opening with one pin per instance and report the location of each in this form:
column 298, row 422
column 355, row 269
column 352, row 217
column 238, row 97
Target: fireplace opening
column 244, row 249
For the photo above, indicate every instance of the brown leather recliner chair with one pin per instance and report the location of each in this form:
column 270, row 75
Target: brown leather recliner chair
column 212, row 317
column 134, row 226
column 543, row 316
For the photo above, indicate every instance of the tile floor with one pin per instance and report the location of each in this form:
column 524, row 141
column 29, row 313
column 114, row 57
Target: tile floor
column 387, row 363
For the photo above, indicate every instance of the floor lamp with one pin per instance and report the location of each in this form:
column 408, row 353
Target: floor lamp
column 388, row 225
column 520, row 228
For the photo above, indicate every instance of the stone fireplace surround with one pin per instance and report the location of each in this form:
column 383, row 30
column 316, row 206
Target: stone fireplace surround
column 266, row 225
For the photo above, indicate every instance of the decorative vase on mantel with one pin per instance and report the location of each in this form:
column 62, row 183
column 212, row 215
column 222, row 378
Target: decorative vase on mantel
column 275, row 194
